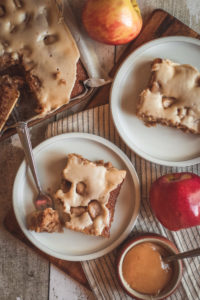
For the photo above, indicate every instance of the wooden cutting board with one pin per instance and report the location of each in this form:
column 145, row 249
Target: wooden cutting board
column 160, row 24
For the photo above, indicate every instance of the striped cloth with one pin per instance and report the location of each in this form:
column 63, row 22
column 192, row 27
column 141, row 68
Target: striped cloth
column 101, row 272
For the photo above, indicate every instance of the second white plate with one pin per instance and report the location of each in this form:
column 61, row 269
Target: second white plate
column 160, row 144
column 51, row 158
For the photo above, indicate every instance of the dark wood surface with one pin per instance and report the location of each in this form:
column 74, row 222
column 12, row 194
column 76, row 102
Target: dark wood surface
column 160, row 24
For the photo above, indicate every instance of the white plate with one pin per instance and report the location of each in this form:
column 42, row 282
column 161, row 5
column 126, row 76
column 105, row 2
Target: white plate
column 160, row 144
column 50, row 158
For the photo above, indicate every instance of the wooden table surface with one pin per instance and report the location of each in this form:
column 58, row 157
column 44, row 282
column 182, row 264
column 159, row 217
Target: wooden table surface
column 25, row 275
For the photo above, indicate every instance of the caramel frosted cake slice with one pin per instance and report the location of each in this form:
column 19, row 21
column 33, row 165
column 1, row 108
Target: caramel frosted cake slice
column 173, row 96
column 34, row 36
column 88, row 193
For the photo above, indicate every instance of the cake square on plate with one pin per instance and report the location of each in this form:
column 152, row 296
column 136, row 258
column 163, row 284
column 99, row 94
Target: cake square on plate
column 173, row 96
column 87, row 196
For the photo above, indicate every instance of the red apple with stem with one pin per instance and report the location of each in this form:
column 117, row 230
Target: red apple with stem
column 175, row 200
column 112, row 21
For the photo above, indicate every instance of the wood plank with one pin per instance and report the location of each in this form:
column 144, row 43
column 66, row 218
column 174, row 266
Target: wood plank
column 62, row 286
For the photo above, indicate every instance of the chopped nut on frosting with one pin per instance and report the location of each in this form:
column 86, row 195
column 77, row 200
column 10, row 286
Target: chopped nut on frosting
column 44, row 221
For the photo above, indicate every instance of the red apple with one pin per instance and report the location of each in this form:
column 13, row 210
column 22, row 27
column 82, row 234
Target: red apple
column 112, row 21
column 175, row 200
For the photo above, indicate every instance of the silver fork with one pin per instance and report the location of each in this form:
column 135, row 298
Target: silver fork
column 42, row 200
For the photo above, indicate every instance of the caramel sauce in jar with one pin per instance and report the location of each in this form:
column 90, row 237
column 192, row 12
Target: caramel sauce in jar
column 144, row 269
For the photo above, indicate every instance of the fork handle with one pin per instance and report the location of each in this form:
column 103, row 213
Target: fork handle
column 23, row 132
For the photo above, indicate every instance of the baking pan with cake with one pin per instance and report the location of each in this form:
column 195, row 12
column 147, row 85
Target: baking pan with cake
column 38, row 50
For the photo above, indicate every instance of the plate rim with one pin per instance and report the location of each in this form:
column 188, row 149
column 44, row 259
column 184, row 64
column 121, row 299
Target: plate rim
column 123, row 157
column 135, row 53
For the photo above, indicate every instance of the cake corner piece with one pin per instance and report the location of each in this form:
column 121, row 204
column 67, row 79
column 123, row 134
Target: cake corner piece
column 46, row 220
